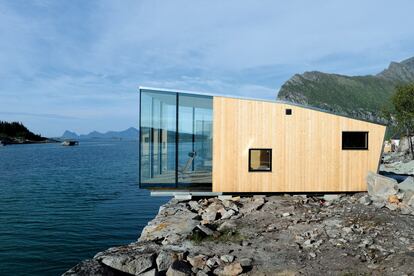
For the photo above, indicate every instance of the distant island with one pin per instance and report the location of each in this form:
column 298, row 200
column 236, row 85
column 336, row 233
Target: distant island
column 128, row 134
column 17, row 133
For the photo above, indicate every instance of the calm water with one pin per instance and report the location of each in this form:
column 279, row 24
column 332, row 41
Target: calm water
column 59, row 205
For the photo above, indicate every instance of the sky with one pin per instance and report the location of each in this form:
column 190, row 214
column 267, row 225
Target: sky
column 77, row 64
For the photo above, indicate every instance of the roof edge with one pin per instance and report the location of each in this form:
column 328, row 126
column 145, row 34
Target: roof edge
column 256, row 99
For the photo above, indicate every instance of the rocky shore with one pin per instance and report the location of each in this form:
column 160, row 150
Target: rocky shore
column 346, row 234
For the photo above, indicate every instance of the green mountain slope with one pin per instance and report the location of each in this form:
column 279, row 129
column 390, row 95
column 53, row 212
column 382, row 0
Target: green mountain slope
column 356, row 96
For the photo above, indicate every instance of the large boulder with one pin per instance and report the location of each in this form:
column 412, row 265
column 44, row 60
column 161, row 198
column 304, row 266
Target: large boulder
column 407, row 184
column 381, row 187
column 132, row 264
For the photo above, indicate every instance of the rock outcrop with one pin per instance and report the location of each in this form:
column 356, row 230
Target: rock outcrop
column 273, row 235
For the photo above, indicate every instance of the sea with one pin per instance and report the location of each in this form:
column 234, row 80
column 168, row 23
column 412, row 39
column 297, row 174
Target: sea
column 60, row 205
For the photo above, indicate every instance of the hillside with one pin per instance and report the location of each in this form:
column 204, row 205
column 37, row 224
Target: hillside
column 356, row 96
column 17, row 133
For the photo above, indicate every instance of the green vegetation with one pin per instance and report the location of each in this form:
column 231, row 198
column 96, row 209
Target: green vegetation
column 362, row 97
column 403, row 102
column 17, row 133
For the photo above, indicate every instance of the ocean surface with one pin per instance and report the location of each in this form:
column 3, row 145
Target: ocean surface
column 60, row 205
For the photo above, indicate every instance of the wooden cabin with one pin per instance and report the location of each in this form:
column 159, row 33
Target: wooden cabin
column 224, row 144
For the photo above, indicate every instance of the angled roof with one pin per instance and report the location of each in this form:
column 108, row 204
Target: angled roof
column 255, row 99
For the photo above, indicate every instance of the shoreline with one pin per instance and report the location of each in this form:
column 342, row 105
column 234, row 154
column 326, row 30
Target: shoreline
column 267, row 235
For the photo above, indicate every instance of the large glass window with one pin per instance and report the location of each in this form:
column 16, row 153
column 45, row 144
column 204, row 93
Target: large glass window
column 195, row 139
column 169, row 157
column 158, row 136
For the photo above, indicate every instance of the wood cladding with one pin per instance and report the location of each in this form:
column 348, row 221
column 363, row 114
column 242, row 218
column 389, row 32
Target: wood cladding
column 307, row 153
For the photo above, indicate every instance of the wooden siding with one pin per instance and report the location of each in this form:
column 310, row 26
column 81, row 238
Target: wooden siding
column 307, row 151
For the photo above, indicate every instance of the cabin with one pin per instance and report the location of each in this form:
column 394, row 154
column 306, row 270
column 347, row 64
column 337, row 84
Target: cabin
column 197, row 142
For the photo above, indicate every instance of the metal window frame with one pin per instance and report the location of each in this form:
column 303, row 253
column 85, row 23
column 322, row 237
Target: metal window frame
column 260, row 170
column 355, row 148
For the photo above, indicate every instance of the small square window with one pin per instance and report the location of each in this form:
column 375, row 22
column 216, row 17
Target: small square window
column 354, row 140
column 260, row 160
column 288, row 111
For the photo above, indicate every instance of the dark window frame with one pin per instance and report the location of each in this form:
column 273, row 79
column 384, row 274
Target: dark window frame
column 260, row 170
column 288, row 111
column 356, row 148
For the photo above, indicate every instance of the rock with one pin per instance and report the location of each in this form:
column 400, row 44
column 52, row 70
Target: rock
column 89, row 267
column 365, row 200
column 227, row 225
column 194, row 205
column 198, row 261
column 228, row 214
column 391, row 206
column 152, row 272
column 253, row 204
column 205, row 230
column 378, row 202
column 135, row 264
column 213, row 262
column 210, row 213
column 246, row 262
column 164, row 260
column 393, row 199
column 179, row 268
column 407, row 184
column 285, row 214
column 230, row 270
column 201, row 273
column 312, row 254
column 175, row 222
column 227, row 258
column 408, row 198
column 380, row 186
column 331, row 197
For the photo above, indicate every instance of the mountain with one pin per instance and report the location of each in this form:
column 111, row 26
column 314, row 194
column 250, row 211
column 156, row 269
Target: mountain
column 17, row 133
column 128, row 134
column 357, row 96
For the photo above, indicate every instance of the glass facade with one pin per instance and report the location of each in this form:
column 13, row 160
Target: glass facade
column 175, row 139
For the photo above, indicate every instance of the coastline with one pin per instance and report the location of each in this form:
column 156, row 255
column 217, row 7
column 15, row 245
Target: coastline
column 267, row 235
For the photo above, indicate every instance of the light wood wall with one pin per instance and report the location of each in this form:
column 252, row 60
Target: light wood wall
column 307, row 153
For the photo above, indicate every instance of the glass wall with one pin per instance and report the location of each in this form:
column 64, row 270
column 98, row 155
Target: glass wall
column 158, row 136
column 171, row 158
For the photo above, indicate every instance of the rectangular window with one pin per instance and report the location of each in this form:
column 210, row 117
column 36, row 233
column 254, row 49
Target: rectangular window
column 354, row 140
column 260, row 160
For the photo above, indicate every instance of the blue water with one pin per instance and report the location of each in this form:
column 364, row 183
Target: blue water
column 60, row 205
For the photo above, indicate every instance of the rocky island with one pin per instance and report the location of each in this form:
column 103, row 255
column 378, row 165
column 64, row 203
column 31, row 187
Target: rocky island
column 345, row 234
column 17, row 133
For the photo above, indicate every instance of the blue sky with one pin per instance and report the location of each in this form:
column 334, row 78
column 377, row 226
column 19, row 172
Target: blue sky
column 77, row 64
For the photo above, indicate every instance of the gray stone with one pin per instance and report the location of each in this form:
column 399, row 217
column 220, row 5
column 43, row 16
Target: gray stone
column 152, row 272
column 227, row 225
column 205, row 230
column 391, row 206
column 331, row 197
column 198, row 261
column 252, row 205
column 164, row 260
column 285, row 214
column 227, row 258
column 210, row 213
column 201, row 273
column 312, row 254
column 213, row 262
column 171, row 222
column 194, row 205
column 365, row 200
column 89, row 267
column 179, row 268
column 230, row 270
column 228, row 214
column 380, row 186
column 407, row 184
column 130, row 264
column 408, row 198
column 246, row 262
